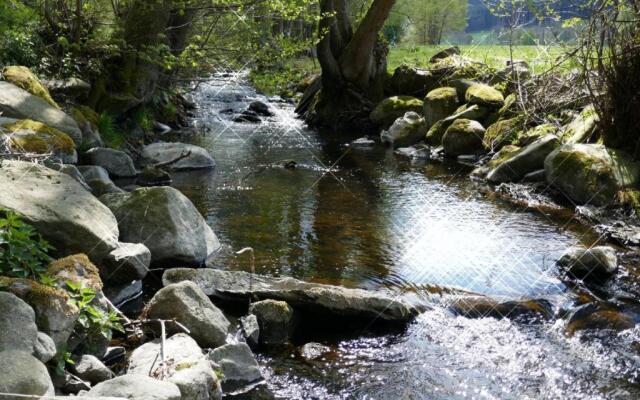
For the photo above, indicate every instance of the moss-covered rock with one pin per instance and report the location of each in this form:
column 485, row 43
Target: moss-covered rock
column 594, row 316
column 392, row 108
column 412, row 81
column 630, row 198
column 439, row 104
column 527, row 137
column 405, row 131
column 502, row 132
column 530, row 159
column 504, row 154
column 583, row 128
column 510, row 107
column 463, row 136
column 591, row 173
column 27, row 80
column 436, row 132
column 484, row 95
column 30, row 136
column 55, row 316
column 76, row 268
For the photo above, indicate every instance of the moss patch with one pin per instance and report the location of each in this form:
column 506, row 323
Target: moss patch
column 76, row 268
column 502, row 133
column 392, row 108
column 35, row 137
column 535, row 133
column 25, row 79
column 37, row 295
column 484, row 95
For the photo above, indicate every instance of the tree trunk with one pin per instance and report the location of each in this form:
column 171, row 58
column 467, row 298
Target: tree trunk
column 353, row 68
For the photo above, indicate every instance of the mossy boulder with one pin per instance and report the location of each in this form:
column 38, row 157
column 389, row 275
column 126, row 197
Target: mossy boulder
column 593, row 316
column 484, row 95
column 392, row 108
column 437, row 130
column 23, row 78
column 531, row 135
column 276, row 321
column 439, row 104
column 506, row 153
column 76, row 268
column 502, row 132
column 405, row 131
column 28, row 136
column 591, row 173
column 463, row 136
column 55, row 316
column 411, row 81
column 583, row 128
column 87, row 120
column 530, row 159
column 510, row 107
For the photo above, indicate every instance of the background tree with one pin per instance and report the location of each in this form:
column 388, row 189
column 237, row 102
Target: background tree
column 429, row 21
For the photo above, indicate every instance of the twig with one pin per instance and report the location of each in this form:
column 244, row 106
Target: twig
column 175, row 160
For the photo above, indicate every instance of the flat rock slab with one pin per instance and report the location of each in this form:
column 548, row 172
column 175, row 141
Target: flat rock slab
column 333, row 300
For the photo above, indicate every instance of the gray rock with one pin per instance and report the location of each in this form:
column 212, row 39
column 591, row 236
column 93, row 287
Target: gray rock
column 136, row 387
column 582, row 127
column 72, row 171
column 591, row 173
column 186, row 303
column 100, row 188
column 414, row 153
column 122, row 294
column 405, row 131
column 21, row 373
column 327, row 299
column 92, row 172
column 439, row 104
column 128, row 262
column 165, row 221
column 238, row 364
column 189, row 369
column 591, row 264
column 156, row 153
column 18, row 329
column 463, row 136
column 276, row 321
column 20, row 104
column 90, row 369
column 71, row 87
column 261, row 108
column 116, row 162
column 61, row 209
column 44, row 348
column 531, row 158
column 250, row 329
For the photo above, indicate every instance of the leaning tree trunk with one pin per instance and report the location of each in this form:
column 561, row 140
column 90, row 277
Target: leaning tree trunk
column 353, row 66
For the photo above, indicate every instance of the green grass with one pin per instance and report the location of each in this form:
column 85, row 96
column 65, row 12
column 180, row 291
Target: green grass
column 540, row 58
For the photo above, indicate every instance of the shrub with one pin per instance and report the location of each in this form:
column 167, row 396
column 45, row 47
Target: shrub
column 109, row 132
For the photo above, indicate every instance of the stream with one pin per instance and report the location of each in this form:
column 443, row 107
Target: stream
column 368, row 218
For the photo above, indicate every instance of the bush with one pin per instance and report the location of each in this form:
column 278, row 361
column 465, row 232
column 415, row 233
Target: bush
column 109, row 132
column 23, row 252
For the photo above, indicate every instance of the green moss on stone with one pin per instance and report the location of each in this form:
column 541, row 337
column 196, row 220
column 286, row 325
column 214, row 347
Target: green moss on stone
column 484, row 95
column 36, row 137
column 76, row 268
column 502, row 133
column 27, row 80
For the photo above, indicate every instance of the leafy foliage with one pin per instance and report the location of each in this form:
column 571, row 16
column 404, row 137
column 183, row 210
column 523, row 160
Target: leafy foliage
column 23, row 252
column 92, row 320
column 109, row 131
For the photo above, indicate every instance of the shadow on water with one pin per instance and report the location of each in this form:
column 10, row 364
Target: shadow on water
column 366, row 218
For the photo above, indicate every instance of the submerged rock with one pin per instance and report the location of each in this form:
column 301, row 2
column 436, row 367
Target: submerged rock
column 591, row 173
column 164, row 220
column 186, row 303
column 238, row 364
column 414, row 153
column 157, row 153
column 276, row 321
column 332, row 301
column 20, row 104
column 594, row 316
column 405, row 131
column 483, row 307
column 136, row 387
column 463, row 136
column 592, row 264
column 313, row 351
column 188, row 368
column 261, row 108
column 60, row 208
column 392, row 108
column 363, row 142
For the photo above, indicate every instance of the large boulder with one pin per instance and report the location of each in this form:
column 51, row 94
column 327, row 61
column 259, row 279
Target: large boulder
column 436, row 132
column 591, row 173
column 116, row 162
column 463, row 136
column 189, row 368
column 412, row 81
column 54, row 314
column 60, row 208
column 18, row 103
column 23, row 78
column 18, row 330
column 165, row 221
column 439, row 104
column 28, row 136
column 23, row 376
column 405, row 131
column 238, row 364
column 502, row 133
column 317, row 299
column 582, row 128
column 530, row 159
column 157, row 153
column 276, row 321
column 597, row 316
column 186, row 303
column 72, row 88
column 136, row 387
column 590, row 264
column 392, row 108
column 484, row 95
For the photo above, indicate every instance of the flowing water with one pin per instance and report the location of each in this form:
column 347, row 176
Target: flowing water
column 367, row 218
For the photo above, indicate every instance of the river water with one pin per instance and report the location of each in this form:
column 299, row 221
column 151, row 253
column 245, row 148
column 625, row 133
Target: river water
column 370, row 219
